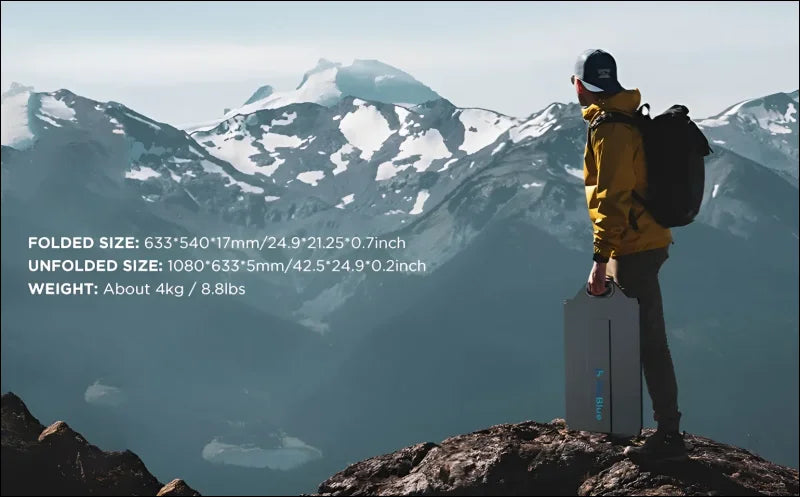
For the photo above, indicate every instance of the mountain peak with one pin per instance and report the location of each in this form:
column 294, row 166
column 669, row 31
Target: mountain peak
column 16, row 89
column 323, row 64
column 752, row 106
column 376, row 65
column 329, row 82
column 262, row 93
column 548, row 459
column 761, row 129
column 367, row 79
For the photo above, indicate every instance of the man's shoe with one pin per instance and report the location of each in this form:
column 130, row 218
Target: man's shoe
column 660, row 446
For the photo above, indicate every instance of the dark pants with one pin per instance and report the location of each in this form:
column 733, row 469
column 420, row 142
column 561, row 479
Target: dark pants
column 637, row 276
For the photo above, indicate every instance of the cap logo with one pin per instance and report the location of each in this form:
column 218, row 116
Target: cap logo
column 603, row 73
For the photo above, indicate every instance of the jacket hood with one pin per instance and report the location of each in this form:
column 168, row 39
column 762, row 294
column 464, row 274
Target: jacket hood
column 626, row 101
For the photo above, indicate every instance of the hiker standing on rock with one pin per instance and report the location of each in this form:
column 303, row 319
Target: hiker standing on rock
column 629, row 244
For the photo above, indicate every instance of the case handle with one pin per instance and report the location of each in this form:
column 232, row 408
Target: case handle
column 609, row 290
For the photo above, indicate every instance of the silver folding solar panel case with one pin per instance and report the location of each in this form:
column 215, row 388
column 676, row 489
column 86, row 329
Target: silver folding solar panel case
column 603, row 369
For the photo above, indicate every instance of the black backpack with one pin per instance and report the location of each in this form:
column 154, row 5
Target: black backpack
column 674, row 149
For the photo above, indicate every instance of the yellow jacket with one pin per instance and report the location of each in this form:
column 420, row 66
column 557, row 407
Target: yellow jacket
column 613, row 166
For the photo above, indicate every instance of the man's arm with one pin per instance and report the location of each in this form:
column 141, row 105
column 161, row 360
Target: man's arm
column 613, row 152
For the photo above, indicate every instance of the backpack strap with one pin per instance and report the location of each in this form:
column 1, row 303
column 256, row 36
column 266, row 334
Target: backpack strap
column 638, row 198
column 610, row 117
column 606, row 117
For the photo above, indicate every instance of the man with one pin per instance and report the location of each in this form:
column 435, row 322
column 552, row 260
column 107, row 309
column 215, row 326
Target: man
column 629, row 245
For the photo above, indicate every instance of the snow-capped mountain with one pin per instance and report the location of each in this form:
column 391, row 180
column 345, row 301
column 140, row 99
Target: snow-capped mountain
column 329, row 82
column 357, row 165
column 762, row 129
column 119, row 145
column 383, row 164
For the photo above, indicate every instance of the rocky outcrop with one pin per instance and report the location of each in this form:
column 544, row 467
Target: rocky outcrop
column 548, row 459
column 176, row 487
column 56, row 460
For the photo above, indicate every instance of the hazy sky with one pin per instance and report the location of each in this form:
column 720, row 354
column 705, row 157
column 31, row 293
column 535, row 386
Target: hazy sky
column 182, row 62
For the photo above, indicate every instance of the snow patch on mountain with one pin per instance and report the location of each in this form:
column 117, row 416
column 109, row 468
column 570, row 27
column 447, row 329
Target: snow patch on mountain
column 311, row 177
column 530, row 185
column 419, row 203
column 212, row 168
column 49, row 121
column 56, row 109
column 790, row 113
column 118, row 128
column 152, row 125
column 447, row 165
column 347, row 199
column 248, row 188
column 772, row 120
column 339, row 161
column 536, row 126
column 236, row 147
column 272, row 141
column 142, row 173
column 388, row 170
column 733, row 110
column 238, row 153
column 288, row 119
column 402, row 113
column 481, row 128
column 714, row 192
column 429, row 146
column 365, row 128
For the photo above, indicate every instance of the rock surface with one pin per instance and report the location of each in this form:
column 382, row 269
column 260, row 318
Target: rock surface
column 177, row 487
column 548, row 459
column 58, row 461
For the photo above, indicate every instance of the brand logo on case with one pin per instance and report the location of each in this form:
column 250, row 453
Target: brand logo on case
column 598, row 394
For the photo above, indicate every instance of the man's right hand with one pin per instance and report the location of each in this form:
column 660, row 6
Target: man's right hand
column 597, row 279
